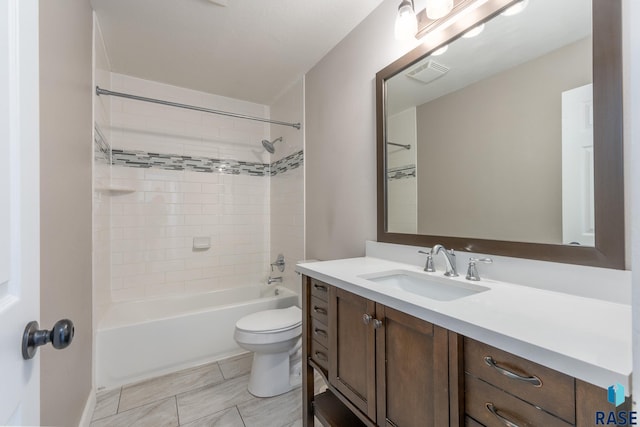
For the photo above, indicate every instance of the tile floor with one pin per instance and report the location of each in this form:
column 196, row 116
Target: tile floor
column 209, row 395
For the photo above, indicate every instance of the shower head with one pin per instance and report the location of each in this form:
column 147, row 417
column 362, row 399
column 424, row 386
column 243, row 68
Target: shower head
column 268, row 145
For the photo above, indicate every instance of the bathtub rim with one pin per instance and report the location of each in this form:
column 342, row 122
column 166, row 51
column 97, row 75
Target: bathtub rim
column 284, row 293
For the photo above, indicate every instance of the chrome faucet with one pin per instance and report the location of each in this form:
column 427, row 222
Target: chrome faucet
column 449, row 258
column 428, row 266
column 278, row 263
column 472, row 270
column 273, row 280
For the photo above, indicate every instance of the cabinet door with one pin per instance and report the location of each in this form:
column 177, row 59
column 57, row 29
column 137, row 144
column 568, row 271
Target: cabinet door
column 412, row 371
column 352, row 349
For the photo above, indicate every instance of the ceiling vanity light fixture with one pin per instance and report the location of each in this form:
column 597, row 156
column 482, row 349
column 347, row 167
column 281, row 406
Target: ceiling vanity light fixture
column 412, row 23
column 415, row 24
column 437, row 9
column 406, row 21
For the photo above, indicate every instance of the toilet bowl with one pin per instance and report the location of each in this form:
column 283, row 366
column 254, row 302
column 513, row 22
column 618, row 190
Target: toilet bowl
column 274, row 337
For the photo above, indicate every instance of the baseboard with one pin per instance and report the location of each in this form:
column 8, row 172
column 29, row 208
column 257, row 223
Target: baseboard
column 89, row 407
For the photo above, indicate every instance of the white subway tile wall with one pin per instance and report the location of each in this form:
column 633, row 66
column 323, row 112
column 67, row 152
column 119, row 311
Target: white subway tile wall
column 154, row 226
column 287, row 223
column 287, row 186
column 402, row 203
column 144, row 237
column 158, row 128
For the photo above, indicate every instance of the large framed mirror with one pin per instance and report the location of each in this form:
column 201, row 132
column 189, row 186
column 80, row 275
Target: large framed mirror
column 509, row 142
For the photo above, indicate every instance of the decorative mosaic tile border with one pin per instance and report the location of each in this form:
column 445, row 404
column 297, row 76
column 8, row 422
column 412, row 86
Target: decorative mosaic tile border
column 290, row 162
column 141, row 159
column 101, row 148
column 401, row 172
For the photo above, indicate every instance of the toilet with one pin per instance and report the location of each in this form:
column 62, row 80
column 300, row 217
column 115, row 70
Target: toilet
column 274, row 336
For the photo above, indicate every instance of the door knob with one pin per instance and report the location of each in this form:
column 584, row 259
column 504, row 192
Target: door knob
column 60, row 336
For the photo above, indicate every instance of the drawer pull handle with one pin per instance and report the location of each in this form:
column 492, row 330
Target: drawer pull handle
column 320, row 332
column 321, row 356
column 319, row 310
column 495, row 413
column 320, row 287
column 533, row 380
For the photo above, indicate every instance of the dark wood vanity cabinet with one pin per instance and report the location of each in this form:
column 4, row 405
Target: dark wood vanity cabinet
column 501, row 388
column 411, row 371
column 386, row 367
column 352, row 341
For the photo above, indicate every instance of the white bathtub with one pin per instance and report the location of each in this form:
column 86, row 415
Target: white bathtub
column 142, row 339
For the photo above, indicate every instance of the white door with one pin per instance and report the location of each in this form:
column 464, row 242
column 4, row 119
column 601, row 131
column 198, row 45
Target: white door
column 19, row 209
column 578, row 227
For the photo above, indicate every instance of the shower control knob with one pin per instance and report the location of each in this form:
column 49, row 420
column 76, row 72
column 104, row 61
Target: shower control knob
column 60, row 336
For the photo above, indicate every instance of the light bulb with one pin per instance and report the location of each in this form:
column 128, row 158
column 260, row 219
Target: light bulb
column 473, row 32
column 436, row 9
column 406, row 21
column 440, row 51
column 516, row 8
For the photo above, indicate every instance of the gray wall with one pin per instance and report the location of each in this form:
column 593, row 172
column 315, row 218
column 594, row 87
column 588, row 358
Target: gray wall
column 340, row 147
column 65, row 211
column 495, row 142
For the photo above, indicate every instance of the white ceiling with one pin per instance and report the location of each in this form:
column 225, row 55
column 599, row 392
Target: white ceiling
column 249, row 49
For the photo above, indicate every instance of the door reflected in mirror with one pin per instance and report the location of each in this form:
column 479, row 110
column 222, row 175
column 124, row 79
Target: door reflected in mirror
column 493, row 138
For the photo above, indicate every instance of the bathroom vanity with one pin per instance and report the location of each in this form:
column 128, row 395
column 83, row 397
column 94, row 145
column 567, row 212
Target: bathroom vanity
column 393, row 357
column 542, row 345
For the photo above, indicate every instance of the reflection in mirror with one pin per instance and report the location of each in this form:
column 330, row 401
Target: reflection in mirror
column 493, row 138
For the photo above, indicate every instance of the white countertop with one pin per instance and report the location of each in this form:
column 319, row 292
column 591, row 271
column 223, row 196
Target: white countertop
column 586, row 338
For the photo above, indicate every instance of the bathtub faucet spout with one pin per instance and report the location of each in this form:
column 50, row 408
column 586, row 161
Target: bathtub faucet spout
column 273, row 280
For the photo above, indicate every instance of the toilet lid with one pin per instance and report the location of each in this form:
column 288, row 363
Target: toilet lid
column 271, row 320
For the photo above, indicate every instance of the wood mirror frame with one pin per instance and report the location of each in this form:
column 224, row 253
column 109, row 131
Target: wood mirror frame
column 609, row 250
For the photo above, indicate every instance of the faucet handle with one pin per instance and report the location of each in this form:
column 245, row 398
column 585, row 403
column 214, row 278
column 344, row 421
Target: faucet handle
column 485, row 260
column 472, row 270
column 279, row 262
column 428, row 266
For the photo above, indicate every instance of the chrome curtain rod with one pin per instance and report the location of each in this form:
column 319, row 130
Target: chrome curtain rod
column 100, row 91
column 406, row 147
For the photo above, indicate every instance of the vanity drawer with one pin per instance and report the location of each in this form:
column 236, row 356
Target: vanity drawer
column 319, row 309
column 482, row 398
column 555, row 392
column 320, row 355
column 470, row 422
column 319, row 290
column 320, row 332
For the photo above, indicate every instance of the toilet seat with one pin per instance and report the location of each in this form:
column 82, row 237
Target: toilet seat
column 271, row 321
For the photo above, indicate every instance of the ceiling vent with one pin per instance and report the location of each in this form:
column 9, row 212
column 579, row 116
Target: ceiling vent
column 428, row 72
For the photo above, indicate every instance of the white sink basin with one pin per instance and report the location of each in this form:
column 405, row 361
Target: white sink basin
column 441, row 289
